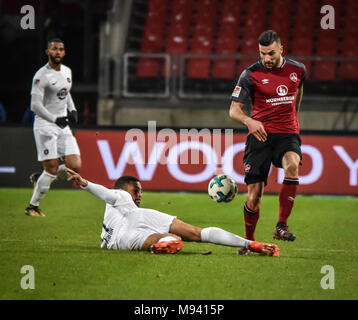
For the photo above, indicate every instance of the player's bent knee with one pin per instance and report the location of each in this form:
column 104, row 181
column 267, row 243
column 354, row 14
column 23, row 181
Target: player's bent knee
column 291, row 170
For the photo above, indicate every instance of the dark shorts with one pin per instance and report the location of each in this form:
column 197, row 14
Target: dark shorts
column 259, row 155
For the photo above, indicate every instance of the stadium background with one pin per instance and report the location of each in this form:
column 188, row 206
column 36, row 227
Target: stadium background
column 176, row 63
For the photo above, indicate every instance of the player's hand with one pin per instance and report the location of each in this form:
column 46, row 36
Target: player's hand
column 257, row 129
column 73, row 117
column 76, row 178
column 62, row 122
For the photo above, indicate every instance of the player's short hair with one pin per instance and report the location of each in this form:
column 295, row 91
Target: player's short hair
column 122, row 182
column 54, row 40
column 269, row 37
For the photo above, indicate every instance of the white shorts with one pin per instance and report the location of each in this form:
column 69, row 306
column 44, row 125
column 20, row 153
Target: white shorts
column 141, row 223
column 53, row 142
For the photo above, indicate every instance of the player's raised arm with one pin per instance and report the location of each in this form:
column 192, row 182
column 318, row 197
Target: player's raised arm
column 97, row 190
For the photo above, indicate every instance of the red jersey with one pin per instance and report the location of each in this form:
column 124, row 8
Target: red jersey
column 273, row 94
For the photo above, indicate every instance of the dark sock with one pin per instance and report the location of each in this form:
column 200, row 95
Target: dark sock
column 251, row 218
column 287, row 198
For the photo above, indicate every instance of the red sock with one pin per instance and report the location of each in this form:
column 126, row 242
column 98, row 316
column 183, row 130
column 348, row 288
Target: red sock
column 287, row 198
column 250, row 218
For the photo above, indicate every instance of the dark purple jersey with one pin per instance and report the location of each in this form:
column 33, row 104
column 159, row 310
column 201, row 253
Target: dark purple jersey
column 273, row 94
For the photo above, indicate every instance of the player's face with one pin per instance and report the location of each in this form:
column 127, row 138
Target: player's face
column 271, row 55
column 135, row 190
column 56, row 52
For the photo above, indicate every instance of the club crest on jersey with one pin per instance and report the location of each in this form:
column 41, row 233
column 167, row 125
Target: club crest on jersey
column 293, row 77
column 282, row 90
column 62, row 94
column 236, row 92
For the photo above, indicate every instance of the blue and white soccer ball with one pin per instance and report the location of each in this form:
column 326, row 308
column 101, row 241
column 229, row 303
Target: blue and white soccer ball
column 222, row 188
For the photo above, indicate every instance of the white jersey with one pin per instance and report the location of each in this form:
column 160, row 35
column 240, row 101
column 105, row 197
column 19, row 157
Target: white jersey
column 125, row 226
column 51, row 89
column 115, row 216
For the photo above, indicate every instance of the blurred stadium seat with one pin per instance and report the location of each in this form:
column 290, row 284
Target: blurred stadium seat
column 152, row 40
column 227, row 40
column 327, row 46
column 202, row 41
column 230, row 27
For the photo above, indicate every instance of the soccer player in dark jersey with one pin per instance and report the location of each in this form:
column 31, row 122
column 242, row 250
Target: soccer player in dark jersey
column 275, row 86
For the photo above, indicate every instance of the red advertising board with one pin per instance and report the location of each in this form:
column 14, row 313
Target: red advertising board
column 187, row 160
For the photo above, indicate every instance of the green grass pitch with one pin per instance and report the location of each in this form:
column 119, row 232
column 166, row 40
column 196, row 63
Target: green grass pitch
column 63, row 249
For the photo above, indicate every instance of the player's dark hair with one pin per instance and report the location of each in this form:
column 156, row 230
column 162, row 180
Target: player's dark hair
column 54, row 40
column 122, row 182
column 269, row 37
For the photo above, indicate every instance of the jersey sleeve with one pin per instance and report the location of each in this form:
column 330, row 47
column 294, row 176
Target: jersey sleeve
column 70, row 103
column 243, row 87
column 108, row 195
column 37, row 97
column 38, row 84
column 303, row 78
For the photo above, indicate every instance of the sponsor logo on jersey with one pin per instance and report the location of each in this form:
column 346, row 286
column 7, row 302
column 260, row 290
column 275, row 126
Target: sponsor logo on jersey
column 282, row 100
column 293, row 77
column 68, row 80
column 236, row 92
column 36, row 81
column 62, row 94
column 265, row 81
column 282, row 90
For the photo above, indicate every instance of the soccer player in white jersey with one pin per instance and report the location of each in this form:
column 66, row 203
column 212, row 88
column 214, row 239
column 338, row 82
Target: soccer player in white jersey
column 128, row 227
column 54, row 109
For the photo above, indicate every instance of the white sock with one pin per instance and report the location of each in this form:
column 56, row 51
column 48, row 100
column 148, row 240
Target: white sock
column 167, row 238
column 42, row 187
column 220, row 236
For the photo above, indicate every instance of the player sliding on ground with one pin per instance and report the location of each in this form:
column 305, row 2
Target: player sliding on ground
column 128, row 227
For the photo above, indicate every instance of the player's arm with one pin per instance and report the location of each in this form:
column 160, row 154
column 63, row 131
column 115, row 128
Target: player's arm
column 255, row 127
column 299, row 98
column 73, row 116
column 242, row 93
column 37, row 106
column 97, row 190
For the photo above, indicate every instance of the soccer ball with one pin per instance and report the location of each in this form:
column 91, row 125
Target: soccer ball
column 222, row 188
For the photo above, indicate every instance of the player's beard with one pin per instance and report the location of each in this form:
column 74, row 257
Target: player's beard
column 273, row 64
column 55, row 61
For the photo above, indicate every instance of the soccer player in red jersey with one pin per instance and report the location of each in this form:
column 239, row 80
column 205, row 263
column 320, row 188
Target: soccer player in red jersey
column 275, row 86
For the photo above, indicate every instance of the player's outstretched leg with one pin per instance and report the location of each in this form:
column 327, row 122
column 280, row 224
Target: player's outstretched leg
column 269, row 249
